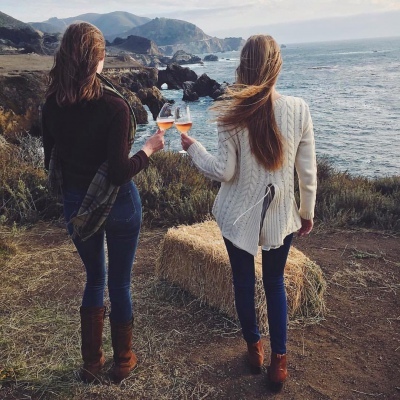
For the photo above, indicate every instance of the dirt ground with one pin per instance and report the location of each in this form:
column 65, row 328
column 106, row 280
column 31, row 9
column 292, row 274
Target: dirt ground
column 353, row 354
column 188, row 351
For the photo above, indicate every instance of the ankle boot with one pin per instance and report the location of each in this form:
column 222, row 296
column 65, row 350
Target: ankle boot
column 256, row 356
column 277, row 371
column 124, row 358
column 92, row 321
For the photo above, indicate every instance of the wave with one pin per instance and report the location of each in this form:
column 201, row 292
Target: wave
column 324, row 67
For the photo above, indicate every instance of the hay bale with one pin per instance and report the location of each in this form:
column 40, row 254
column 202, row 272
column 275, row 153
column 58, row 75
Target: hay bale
column 195, row 258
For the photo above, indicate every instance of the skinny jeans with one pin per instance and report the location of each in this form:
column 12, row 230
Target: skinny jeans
column 243, row 274
column 121, row 234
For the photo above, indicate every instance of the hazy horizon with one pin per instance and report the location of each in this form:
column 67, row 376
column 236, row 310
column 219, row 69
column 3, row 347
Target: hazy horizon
column 286, row 20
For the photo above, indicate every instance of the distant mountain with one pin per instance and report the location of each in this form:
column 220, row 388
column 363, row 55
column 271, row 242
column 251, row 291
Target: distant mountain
column 110, row 24
column 168, row 35
column 167, row 31
column 18, row 37
column 172, row 35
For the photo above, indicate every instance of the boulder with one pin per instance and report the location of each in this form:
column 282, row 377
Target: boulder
column 152, row 98
column 174, row 76
column 181, row 58
column 210, row 57
column 204, row 86
column 188, row 93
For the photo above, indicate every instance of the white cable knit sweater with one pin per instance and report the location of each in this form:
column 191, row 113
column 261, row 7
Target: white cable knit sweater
column 238, row 205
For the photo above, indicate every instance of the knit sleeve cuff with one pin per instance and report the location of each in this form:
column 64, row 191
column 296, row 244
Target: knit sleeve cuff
column 195, row 149
column 307, row 214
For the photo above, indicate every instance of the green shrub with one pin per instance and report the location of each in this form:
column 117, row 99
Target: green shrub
column 345, row 200
column 174, row 192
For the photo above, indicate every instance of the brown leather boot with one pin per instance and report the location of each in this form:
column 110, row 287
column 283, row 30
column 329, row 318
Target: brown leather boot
column 277, row 371
column 256, row 356
column 124, row 358
column 92, row 322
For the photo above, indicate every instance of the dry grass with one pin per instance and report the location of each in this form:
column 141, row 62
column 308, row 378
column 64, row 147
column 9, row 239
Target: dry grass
column 194, row 257
column 40, row 293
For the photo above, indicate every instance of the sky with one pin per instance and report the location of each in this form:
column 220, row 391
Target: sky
column 230, row 17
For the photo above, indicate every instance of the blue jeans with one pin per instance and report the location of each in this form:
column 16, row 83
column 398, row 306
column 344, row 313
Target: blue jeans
column 243, row 273
column 122, row 235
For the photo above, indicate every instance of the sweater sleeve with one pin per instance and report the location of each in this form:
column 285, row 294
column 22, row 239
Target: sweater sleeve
column 121, row 168
column 306, row 167
column 221, row 167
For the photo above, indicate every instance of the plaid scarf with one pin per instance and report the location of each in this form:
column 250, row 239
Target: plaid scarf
column 101, row 194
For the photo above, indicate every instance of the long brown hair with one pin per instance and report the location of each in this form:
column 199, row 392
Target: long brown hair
column 248, row 102
column 73, row 75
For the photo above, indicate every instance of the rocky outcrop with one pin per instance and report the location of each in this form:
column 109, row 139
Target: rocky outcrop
column 20, row 99
column 136, row 44
column 233, row 43
column 22, row 94
column 18, row 37
column 174, row 76
column 152, row 98
column 182, row 58
column 202, row 87
column 210, row 57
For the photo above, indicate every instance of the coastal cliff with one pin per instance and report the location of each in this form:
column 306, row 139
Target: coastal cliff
column 23, row 83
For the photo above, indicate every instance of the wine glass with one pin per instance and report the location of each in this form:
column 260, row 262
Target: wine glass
column 183, row 120
column 165, row 118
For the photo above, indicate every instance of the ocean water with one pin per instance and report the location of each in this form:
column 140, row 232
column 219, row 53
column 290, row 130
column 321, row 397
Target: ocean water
column 352, row 88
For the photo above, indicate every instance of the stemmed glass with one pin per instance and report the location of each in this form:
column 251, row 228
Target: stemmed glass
column 165, row 118
column 183, row 120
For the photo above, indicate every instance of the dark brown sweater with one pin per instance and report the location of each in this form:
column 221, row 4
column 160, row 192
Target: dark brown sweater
column 86, row 136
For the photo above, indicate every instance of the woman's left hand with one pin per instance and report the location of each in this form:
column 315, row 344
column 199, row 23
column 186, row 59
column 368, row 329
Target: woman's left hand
column 306, row 227
column 186, row 141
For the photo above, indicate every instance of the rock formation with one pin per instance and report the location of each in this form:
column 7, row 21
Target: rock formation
column 22, row 95
column 182, row 58
column 18, row 37
column 203, row 86
column 210, row 57
column 174, row 76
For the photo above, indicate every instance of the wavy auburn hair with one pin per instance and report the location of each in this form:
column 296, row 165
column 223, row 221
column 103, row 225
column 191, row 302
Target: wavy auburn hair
column 248, row 102
column 73, row 75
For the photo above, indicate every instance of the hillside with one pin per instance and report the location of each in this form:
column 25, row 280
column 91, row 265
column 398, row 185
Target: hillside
column 16, row 36
column 110, row 23
column 172, row 35
column 166, row 31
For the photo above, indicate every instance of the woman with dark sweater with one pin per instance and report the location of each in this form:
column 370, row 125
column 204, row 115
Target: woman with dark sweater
column 88, row 130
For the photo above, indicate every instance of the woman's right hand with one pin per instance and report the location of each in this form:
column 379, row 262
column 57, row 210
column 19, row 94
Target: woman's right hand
column 154, row 143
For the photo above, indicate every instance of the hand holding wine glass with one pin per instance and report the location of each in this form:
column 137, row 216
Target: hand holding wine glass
column 183, row 120
column 154, row 143
column 165, row 118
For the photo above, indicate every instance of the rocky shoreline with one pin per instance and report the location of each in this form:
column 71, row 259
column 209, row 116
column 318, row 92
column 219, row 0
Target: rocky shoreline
column 23, row 82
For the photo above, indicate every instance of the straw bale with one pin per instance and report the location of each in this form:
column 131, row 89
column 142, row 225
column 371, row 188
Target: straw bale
column 195, row 259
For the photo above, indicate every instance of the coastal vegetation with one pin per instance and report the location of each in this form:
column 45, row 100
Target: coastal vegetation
column 173, row 192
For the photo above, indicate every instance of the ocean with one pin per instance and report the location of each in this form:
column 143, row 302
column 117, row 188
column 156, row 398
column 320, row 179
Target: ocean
column 352, row 88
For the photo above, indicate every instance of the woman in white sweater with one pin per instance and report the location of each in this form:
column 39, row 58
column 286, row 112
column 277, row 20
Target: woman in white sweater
column 263, row 138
